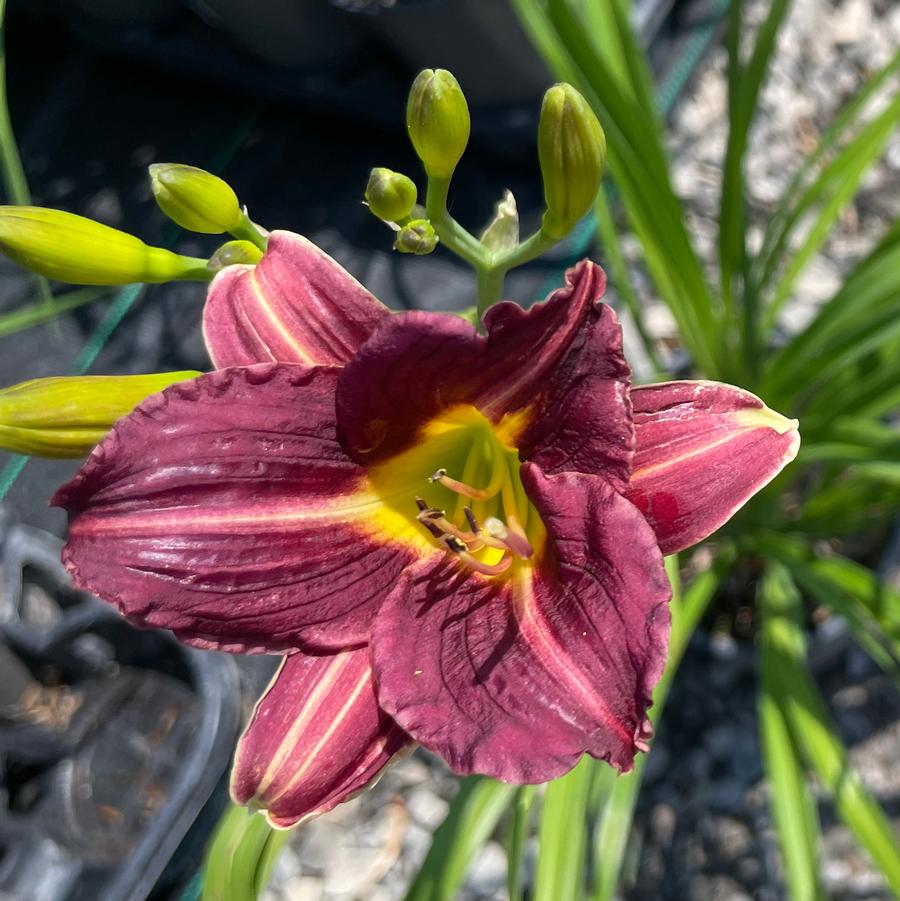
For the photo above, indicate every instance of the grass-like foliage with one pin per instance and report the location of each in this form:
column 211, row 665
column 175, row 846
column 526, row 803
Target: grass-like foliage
column 840, row 376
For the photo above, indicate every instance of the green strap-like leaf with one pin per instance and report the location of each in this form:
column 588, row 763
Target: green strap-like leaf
column 744, row 84
column 563, row 836
column 810, row 724
column 793, row 807
column 472, row 818
column 516, row 840
column 794, row 201
column 831, row 191
column 240, row 857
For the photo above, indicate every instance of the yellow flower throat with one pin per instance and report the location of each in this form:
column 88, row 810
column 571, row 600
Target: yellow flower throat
column 459, row 489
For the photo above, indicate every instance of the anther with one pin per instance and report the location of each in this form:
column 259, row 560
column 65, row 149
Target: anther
column 457, row 545
column 470, row 519
column 435, row 530
column 477, row 494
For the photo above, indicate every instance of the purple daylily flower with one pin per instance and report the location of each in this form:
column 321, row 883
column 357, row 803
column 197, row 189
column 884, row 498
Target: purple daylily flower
column 455, row 539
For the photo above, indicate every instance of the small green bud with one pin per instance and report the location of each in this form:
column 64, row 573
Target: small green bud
column 73, row 249
column 233, row 253
column 502, row 232
column 416, row 237
column 67, row 416
column 572, row 151
column 391, row 196
column 195, row 199
column 437, row 118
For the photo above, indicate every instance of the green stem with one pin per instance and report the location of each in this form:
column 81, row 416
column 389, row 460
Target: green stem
column 531, row 248
column 14, row 180
column 198, row 271
column 489, row 281
column 451, row 234
column 245, row 230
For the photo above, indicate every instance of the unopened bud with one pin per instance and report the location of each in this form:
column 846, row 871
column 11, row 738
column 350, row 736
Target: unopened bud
column 437, row 118
column 73, row 249
column 67, row 416
column 391, row 196
column 416, row 237
column 572, row 151
column 195, row 199
column 233, row 253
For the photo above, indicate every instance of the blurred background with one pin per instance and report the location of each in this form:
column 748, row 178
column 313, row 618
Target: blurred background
column 292, row 103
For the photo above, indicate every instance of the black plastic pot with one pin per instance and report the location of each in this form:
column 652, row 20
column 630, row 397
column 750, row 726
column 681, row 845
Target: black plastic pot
column 111, row 739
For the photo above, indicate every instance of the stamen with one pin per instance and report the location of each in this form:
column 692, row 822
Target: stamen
column 435, row 530
column 436, row 522
column 486, row 569
column 498, row 476
column 470, row 519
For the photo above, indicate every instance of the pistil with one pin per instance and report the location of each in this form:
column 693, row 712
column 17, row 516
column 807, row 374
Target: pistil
column 510, row 536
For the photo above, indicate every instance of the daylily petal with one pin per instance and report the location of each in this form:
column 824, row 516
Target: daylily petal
column 296, row 306
column 517, row 677
column 224, row 509
column 555, row 371
column 703, row 450
column 317, row 737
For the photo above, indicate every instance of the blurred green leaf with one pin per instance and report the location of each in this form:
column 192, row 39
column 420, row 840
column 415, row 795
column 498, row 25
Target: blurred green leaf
column 241, row 855
column 789, row 210
column 863, row 315
column 516, row 839
column 472, row 818
column 563, row 836
column 793, row 807
column 744, row 84
column 26, row 317
column 810, row 723
column 14, row 181
column 621, row 277
column 832, row 190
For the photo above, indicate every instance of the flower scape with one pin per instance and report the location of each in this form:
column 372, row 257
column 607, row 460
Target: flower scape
column 454, row 539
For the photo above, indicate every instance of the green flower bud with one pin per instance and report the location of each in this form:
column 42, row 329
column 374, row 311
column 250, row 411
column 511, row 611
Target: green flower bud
column 195, row 199
column 416, row 237
column 391, row 196
column 572, row 151
column 233, row 253
column 437, row 118
column 67, row 416
column 73, row 249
